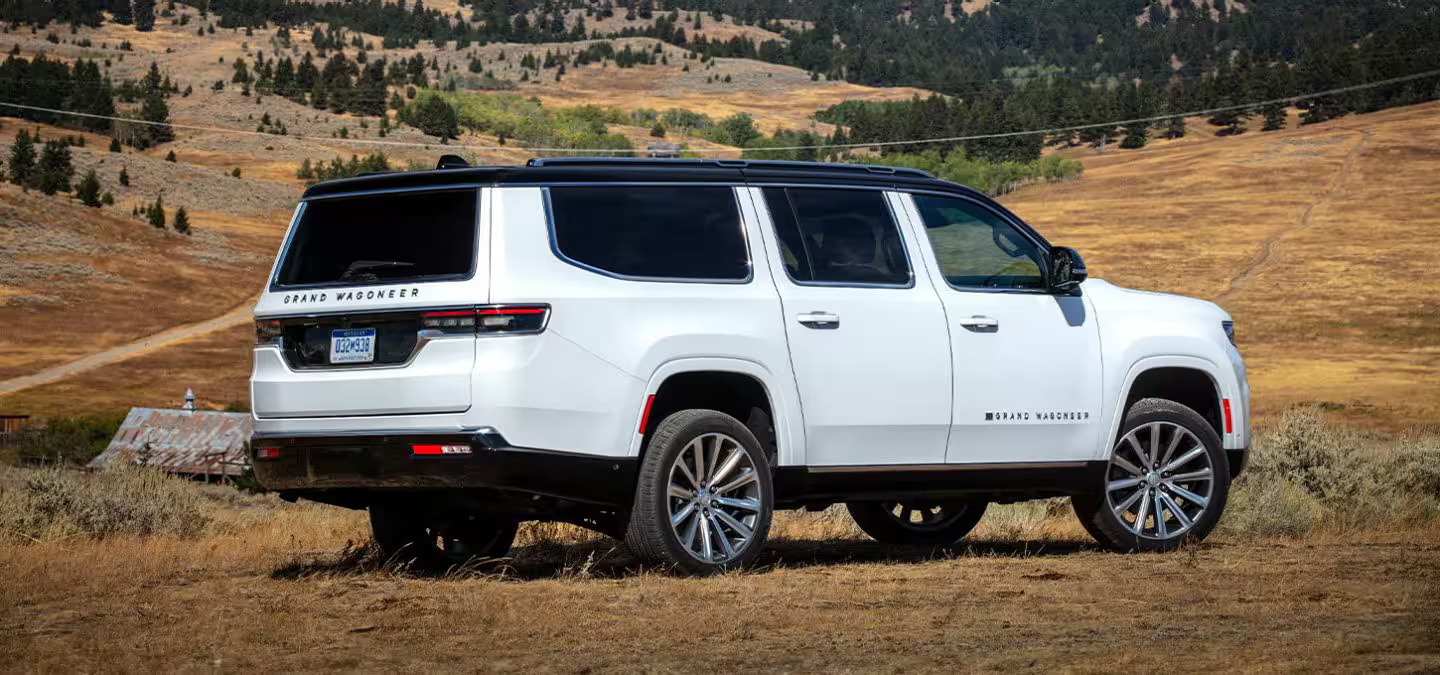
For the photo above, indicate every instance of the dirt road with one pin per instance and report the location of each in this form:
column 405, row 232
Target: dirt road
column 236, row 316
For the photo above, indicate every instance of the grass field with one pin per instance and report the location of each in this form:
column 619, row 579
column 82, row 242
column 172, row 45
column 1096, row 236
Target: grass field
column 1292, row 581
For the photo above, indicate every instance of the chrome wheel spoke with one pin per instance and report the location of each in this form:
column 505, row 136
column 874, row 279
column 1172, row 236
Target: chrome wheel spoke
column 1178, row 512
column 1125, row 464
column 1203, row 474
column 697, row 453
column 1142, row 513
column 725, row 546
column 752, row 505
column 1160, row 517
column 1188, row 495
column 731, row 461
column 707, row 548
column 682, row 514
column 1138, row 450
column 1154, row 459
column 1134, row 497
column 689, row 475
column 688, row 539
column 730, row 521
column 1170, row 449
column 679, row 492
column 746, row 478
column 1184, row 459
column 1123, row 483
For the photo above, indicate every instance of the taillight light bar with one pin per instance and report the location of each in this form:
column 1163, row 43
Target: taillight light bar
column 488, row 320
column 268, row 331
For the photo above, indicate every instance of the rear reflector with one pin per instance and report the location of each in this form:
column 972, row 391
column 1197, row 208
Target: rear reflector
column 267, row 453
column 1229, row 426
column 440, row 449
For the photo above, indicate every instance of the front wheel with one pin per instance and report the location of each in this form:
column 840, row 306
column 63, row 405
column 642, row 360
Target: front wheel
column 917, row 523
column 1166, row 483
column 703, row 500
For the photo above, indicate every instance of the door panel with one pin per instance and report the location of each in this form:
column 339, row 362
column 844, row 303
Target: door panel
column 869, row 346
column 1026, row 362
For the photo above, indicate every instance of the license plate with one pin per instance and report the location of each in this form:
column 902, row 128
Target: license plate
column 352, row 345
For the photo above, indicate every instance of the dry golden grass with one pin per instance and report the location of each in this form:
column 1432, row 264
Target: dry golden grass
column 270, row 586
column 1313, row 238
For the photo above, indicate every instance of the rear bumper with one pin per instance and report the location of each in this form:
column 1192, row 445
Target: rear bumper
column 308, row 464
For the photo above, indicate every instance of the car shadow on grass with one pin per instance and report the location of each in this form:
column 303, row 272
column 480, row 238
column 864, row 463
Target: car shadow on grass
column 604, row 558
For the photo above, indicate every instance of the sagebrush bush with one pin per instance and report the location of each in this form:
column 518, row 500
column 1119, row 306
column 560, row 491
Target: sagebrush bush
column 56, row 502
column 1305, row 473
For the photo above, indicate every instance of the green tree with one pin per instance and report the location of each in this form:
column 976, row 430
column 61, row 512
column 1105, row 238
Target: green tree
column 143, row 12
column 156, row 213
column 88, row 189
column 22, row 159
column 181, row 222
column 658, row 131
column 432, row 115
column 55, row 171
column 124, row 177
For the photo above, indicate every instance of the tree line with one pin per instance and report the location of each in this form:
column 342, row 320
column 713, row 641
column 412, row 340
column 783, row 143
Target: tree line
column 81, row 87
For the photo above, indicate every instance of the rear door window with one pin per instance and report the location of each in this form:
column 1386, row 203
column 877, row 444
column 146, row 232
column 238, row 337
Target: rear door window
column 688, row 233
column 383, row 238
column 837, row 236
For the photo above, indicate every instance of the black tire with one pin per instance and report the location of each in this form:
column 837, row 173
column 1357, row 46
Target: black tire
column 940, row 523
column 649, row 533
column 410, row 538
column 1118, row 532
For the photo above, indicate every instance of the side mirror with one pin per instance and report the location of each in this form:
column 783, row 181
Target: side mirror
column 1067, row 270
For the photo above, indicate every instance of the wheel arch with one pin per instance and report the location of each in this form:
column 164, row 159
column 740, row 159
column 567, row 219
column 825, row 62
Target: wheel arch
column 1193, row 382
column 732, row 386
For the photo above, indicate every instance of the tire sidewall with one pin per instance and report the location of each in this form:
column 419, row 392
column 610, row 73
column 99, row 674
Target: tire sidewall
column 673, row 434
column 875, row 521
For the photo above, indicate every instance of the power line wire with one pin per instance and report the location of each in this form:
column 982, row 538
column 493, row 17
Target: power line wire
column 842, row 146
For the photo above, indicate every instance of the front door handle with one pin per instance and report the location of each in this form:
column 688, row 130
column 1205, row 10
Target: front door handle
column 982, row 322
column 819, row 320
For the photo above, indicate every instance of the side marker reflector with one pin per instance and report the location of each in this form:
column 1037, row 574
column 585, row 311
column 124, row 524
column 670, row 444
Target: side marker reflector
column 1229, row 426
column 645, row 417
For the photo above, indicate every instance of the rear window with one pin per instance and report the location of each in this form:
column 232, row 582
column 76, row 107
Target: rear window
column 691, row 233
column 382, row 239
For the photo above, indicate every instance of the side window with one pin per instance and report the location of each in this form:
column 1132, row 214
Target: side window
column 976, row 248
column 652, row 232
column 838, row 236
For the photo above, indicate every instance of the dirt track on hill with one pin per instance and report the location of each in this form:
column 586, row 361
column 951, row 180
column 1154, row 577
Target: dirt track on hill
column 236, row 316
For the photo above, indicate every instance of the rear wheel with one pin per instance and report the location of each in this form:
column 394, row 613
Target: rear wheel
column 439, row 542
column 917, row 523
column 703, row 500
column 1167, row 481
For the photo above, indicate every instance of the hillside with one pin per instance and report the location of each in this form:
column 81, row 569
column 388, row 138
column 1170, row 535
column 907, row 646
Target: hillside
column 1304, row 235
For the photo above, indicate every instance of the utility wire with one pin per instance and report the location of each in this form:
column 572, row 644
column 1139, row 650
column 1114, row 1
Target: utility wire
column 876, row 144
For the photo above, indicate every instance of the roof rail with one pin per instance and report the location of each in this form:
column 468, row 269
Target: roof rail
column 730, row 164
column 452, row 162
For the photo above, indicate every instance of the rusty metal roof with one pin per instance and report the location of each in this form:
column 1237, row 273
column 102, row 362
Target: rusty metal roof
column 180, row 441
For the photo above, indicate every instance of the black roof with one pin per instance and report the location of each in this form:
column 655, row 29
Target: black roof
column 566, row 170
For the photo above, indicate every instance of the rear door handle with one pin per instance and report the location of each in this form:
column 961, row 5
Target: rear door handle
column 819, row 320
column 978, row 321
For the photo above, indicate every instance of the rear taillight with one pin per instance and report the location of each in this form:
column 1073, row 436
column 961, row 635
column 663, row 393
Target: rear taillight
column 267, row 452
column 489, row 320
column 267, row 332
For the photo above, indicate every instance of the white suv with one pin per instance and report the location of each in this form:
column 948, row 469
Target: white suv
column 668, row 351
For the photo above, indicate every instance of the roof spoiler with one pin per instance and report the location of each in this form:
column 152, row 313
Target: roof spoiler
column 452, row 162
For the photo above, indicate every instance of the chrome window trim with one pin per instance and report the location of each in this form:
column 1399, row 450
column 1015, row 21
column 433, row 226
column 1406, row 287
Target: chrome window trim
column 739, row 216
column 909, row 263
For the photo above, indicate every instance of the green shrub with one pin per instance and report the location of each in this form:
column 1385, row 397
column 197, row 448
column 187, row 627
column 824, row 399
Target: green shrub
column 66, row 440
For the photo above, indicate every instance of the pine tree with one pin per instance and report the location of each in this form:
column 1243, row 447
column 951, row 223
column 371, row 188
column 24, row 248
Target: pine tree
column 658, row 131
column 55, row 171
column 156, row 213
column 114, row 145
column 88, row 189
column 181, row 222
column 22, row 159
column 1274, row 117
column 1175, row 128
column 143, row 12
column 124, row 177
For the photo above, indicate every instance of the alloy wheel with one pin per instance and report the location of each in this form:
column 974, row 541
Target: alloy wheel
column 714, row 498
column 1160, row 480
